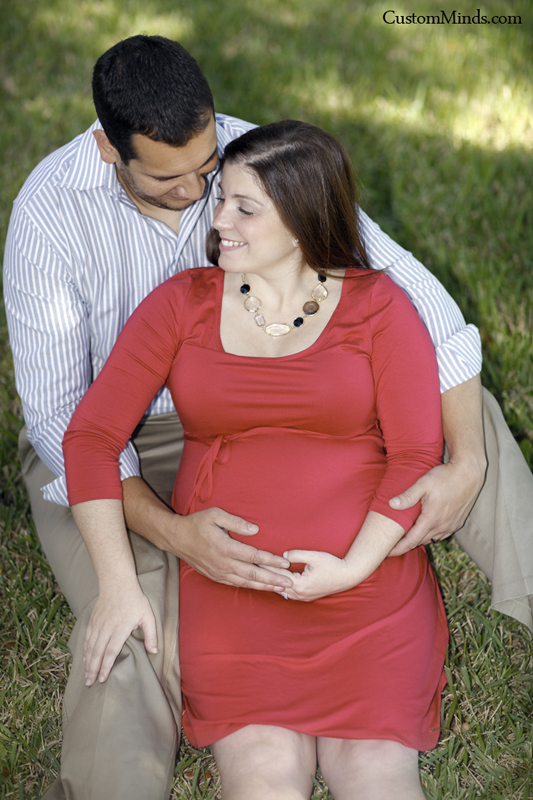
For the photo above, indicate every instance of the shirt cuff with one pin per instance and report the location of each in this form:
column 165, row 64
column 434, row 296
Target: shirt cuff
column 459, row 358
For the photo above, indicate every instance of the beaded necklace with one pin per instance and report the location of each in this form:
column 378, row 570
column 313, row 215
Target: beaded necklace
column 310, row 308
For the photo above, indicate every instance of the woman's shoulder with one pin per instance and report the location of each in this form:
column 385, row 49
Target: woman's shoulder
column 196, row 278
column 181, row 291
column 376, row 285
column 197, row 281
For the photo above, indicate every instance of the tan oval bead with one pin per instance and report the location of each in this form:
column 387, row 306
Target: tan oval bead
column 277, row 329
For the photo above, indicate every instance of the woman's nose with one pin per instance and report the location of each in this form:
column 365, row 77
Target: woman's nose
column 220, row 218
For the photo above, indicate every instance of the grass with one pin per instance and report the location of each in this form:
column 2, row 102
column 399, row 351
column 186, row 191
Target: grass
column 438, row 122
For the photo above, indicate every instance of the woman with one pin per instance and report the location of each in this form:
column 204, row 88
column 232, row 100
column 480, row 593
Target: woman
column 308, row 390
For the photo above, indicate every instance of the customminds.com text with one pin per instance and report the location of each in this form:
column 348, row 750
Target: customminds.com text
column 450, row 18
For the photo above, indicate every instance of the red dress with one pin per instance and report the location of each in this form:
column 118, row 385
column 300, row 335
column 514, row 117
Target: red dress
column 303, row 445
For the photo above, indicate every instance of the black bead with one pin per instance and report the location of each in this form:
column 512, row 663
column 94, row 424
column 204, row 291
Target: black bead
column 322, row 278
column 297, row 322
column 245, row 288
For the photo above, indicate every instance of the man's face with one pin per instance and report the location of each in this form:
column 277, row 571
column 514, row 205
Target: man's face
column 169, row 177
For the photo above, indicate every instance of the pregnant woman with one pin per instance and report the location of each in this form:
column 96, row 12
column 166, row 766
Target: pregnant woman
column 307, row 386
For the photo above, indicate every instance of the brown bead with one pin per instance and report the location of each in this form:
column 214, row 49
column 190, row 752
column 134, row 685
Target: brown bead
column 310, row 308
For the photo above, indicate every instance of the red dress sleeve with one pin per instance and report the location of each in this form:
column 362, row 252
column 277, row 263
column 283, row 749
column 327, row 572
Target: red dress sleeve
column 408, row 405
column 137, row 367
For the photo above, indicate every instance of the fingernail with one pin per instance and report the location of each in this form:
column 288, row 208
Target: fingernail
column 87, row 682
column 285, row 564
column 154, row 650
column 253, row 528
column 101, row 678
column 395, row 501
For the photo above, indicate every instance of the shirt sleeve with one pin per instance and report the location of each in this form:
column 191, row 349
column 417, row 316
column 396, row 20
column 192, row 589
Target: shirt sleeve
column 457, row 345
column 109, row 412
column 407, row 396
column 50, row 341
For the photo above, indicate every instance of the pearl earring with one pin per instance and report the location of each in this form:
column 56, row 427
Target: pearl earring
column 295, row 242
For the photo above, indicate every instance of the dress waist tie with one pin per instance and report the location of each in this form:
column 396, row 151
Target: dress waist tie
column 219, row 453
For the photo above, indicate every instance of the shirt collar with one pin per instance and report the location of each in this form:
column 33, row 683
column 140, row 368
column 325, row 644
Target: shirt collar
column 87, row 170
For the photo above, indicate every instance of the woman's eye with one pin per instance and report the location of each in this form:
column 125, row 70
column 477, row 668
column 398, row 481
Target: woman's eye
column 219, row 199
column 246, row 213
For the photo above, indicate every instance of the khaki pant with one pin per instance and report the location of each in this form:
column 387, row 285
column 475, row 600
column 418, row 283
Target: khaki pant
column 119, row 738
column 498, row 534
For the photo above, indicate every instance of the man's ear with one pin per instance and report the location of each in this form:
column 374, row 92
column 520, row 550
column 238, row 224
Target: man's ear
column 108, row 153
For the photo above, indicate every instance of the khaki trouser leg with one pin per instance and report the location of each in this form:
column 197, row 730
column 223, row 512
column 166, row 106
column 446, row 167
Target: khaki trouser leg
column 119, row 738
column 498, row 534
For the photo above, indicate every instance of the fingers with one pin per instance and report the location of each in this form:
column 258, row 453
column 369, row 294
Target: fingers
column 279, row 585
column 232, row 523
column 150, row 634
column 255, row 577
column 105, row 638
column 409, row 498
column 423, row 532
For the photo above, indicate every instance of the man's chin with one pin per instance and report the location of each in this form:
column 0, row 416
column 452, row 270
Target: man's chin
column 177, row 205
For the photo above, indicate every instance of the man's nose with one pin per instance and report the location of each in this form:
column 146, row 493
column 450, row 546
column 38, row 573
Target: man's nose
column 191, row 186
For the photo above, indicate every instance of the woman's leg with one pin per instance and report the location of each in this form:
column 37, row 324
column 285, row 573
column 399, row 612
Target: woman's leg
column 264, row 762
column 373, row 769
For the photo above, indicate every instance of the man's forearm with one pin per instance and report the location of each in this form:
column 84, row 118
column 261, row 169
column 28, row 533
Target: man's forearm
column 147, row 515
column 462, row 423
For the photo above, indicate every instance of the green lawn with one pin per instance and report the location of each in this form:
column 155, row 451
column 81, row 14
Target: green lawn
column 438, row 121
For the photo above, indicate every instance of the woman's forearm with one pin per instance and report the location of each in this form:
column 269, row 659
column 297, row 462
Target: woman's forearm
column 101, row 524
column 376, row 538
column 325, row 574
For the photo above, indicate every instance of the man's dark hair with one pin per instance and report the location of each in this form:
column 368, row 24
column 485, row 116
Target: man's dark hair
column 306, row 172
column 152, row 86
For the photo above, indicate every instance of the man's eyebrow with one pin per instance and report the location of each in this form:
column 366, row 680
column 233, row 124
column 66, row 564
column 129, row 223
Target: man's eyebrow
column 171, row 177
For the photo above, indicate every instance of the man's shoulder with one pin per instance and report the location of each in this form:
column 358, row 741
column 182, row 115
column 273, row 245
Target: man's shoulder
column 229, row 128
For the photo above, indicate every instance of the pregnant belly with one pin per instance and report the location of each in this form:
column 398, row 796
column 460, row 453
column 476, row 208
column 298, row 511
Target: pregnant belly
column 303, row 490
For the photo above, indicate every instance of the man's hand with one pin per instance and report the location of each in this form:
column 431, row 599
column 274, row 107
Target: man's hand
column 448, row 493
column 202, row 540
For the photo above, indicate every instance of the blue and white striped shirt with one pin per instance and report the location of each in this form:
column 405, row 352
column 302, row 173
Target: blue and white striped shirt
column 80, row 258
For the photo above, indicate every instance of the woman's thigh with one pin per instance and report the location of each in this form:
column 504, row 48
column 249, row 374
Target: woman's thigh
column 265, row 762
column 372, row 769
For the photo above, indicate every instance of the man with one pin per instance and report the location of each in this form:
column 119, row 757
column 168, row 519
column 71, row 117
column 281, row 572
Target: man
column 96, row 227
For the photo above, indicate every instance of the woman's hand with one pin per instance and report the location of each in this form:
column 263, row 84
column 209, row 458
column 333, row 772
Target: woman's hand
column 323, row 574
column 326, row 574
column 119, row 610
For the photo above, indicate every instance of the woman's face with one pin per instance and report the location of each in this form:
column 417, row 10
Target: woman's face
column 253, row 237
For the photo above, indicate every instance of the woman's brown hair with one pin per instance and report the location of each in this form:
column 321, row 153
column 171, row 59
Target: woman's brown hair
column 307, row 174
